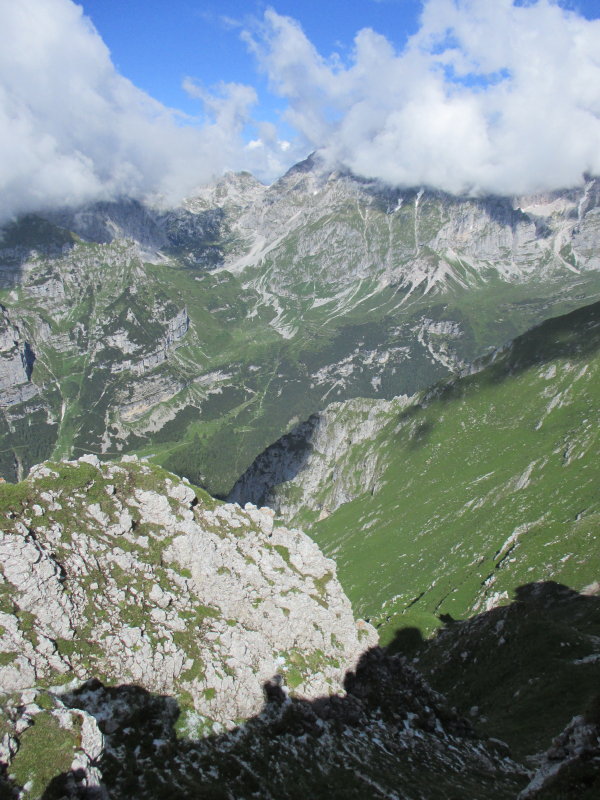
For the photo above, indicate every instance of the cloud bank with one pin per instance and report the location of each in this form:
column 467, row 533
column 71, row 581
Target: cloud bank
column 488, row 96
column 72, row 129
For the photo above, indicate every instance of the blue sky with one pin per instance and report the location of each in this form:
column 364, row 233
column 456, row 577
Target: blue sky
column 156, row 44
column 466, row 96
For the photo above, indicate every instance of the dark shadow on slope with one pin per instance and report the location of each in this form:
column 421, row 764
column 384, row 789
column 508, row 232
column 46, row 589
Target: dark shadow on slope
column 195, row 239
column 8, row 790
column 406, row 641
column 573, row 336
column 72, row 786
column 105, row 221
column 501, row 211
column 527, row 667
column 391, row 733
column 280, row 462
column 22, row 238
column 420, row 434
column 497, row 208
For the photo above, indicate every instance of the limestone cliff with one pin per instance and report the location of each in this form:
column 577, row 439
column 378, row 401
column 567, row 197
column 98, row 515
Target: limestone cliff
column 123, row 572
column 16, row 362
column 322, row 463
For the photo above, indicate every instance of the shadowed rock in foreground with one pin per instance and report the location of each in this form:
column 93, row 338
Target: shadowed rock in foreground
column 390, row 736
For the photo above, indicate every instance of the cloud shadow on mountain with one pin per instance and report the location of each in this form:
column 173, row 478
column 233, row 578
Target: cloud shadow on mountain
column 22, row 239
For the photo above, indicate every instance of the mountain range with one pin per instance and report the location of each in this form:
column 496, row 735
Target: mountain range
column 409, row 377
column 199, row 335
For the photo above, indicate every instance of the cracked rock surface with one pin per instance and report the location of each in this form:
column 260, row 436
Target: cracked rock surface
column 125, row 573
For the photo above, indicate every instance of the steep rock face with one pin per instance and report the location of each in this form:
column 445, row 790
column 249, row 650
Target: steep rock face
column 16, row 364
column 105, row 221
column 322, row 464
column 175, row 329
column 119, row 571
column 420, row 239
column 102, row 341
column 279, row 463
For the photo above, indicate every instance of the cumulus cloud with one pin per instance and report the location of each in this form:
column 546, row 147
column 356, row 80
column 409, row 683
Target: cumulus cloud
column 488, row 96
column 72, row 129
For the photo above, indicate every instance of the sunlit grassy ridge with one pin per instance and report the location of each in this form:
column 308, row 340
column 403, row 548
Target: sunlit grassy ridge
column 491, row 481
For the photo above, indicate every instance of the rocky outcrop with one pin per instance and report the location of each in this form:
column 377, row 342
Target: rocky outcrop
column 175, row 329
column 16, row 364
column 390, row 736
column 41, row 737
column 279, row 463
column 142, row 396
column 437, row 337
column 120, row 571
column 571, row 766
column 322, row 463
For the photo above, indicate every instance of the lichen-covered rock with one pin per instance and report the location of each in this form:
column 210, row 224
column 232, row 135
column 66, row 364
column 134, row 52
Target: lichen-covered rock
column 122, row 572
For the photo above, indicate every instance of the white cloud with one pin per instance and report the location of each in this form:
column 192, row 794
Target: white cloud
column 486, row 97
column 72, row 129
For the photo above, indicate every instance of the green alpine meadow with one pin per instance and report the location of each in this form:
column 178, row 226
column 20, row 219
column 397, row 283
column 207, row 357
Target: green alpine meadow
column 484, row 483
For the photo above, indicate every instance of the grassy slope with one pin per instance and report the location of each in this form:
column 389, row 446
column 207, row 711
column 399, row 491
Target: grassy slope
column 489, row 485
column 527, row 667
column 232, row 428
column 270, row 380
